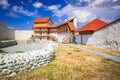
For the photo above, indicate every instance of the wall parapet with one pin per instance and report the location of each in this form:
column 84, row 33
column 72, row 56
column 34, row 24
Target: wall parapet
column 7, row 43
column 11, row 64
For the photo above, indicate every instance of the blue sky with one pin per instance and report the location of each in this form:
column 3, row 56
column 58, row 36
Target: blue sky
column 20, row 14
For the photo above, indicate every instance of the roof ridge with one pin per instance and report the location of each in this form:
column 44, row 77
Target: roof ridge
column 93, row 25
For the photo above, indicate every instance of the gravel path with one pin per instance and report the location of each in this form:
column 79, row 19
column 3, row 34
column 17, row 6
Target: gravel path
column 25, row 47
column 115, row 58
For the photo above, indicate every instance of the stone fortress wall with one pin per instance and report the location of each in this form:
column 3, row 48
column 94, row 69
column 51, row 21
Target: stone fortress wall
column 23, row 34
column 107, row 37
column 11, row 64
column 6, row 33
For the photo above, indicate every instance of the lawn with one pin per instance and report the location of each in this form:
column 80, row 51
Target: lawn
column 73, row 64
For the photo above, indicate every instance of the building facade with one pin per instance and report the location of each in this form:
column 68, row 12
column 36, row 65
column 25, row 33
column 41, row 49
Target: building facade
column 45, row 29
column 87, row 30
column 107, row 37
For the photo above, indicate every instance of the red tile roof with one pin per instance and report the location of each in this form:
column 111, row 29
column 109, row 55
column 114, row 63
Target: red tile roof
column 93, row 25
column 42, row 20
column 70, row 24
column 44, row 26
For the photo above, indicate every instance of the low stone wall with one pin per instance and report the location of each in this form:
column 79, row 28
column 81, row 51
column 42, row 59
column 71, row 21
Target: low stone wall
column 11, row 64
column 7, row 43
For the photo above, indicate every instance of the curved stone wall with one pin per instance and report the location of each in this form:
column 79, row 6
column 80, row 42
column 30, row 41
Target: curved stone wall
column 11, row 64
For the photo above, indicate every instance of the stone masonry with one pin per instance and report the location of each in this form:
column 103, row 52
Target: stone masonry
column 107, row 37
column 11, row 64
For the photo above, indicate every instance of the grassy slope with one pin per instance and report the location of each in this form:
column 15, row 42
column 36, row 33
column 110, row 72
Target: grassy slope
column 73, row 64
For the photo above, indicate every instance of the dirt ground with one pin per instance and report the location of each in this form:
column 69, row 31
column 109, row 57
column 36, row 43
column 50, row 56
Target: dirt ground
column 73, row 64
column 107, row 51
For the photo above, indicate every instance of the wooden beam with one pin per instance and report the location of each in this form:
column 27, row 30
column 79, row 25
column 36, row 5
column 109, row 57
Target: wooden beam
column 81, row 39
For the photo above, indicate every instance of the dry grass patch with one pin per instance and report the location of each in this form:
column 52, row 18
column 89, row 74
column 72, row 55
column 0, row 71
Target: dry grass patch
column 79, row 65
column 107, row 51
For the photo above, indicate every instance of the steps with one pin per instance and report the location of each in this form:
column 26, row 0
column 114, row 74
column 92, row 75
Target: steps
column 53, row 37
column 69, row 37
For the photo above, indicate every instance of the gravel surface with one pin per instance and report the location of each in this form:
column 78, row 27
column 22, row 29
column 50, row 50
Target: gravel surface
column 25, row 47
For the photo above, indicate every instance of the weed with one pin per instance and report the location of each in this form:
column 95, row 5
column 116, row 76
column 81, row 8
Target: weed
column 64, row 76
column 19, row 52
column 50, row 76
column 69, row 53
column 3, row 52
column 65, row 68
column 79, row 68
column 50, row 64
column 70, row 46
column 106, row 59
column 77, row 50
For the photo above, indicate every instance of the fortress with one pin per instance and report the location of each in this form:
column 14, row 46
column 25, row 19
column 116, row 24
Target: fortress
column 45, row 29
column 96, row 32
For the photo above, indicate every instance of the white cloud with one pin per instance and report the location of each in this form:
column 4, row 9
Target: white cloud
column 97, row 2
column 36, row 13
column 65, row 10
column 11, row 14
column 4, row 4
column 114, row 0
column 21, row 10
column 88, row 13
column 37, row 4
column 53, row 7
column 81, row 15
column 116, row 7
column 88, row 1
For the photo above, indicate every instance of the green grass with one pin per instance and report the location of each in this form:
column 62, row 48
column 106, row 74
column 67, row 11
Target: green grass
column 77, row 50
column 105, row 60
column 19, row 52
column 3, row 52
column 65, row 73
column 79, row 68
column 50, row 75
column 69, row 53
